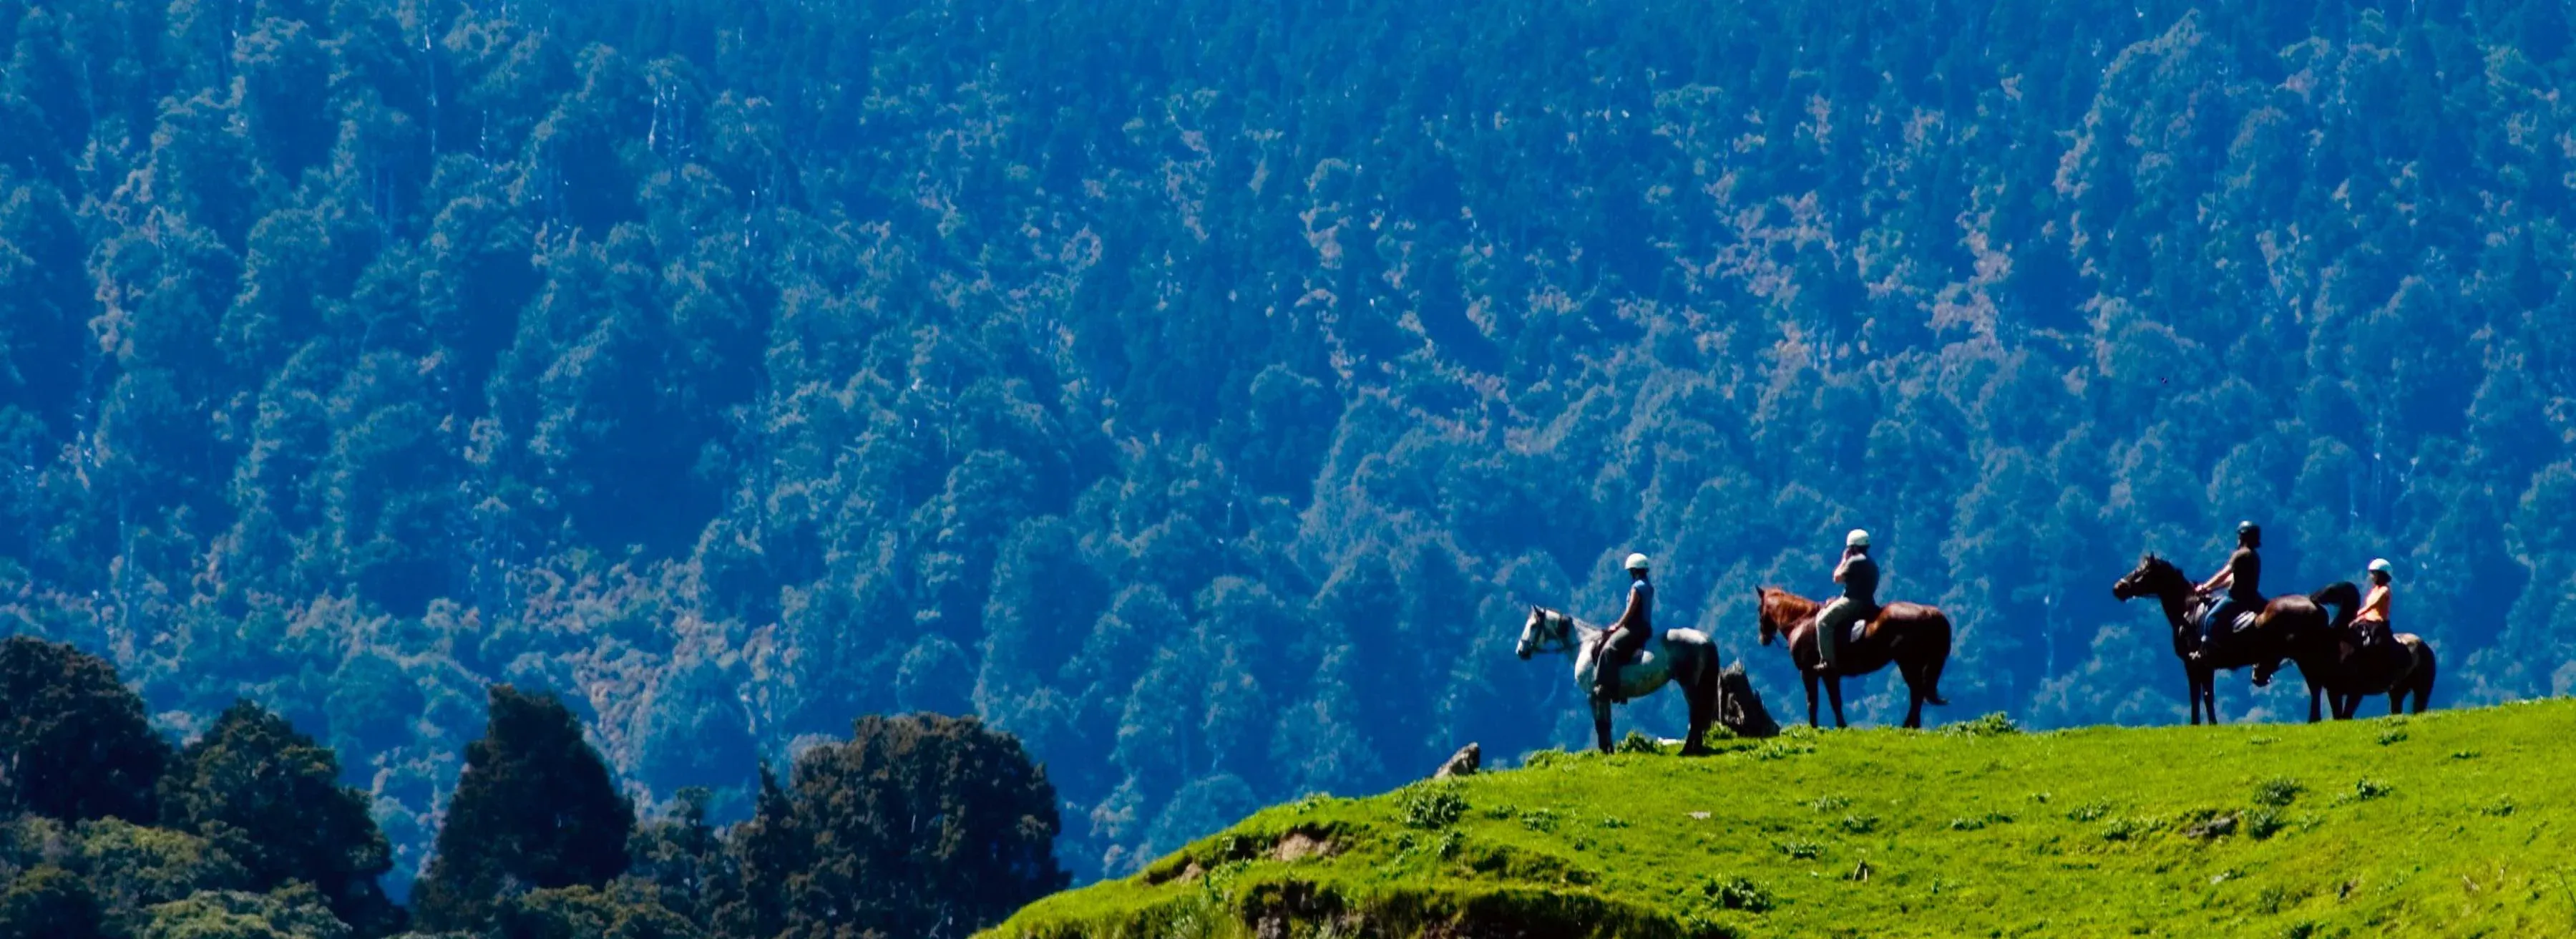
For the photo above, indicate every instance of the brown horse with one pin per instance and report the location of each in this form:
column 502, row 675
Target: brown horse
column 2335, row 658
column 2260, row 646
column 1914, row 637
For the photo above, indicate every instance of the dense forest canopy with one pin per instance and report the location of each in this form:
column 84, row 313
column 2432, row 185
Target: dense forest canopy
column 1201, row 390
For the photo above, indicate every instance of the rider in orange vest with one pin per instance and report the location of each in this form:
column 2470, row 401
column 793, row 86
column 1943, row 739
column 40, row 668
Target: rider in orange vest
column 2371, row 624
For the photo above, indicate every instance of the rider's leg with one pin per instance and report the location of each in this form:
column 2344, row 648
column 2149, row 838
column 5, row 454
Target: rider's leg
column 1829, row 633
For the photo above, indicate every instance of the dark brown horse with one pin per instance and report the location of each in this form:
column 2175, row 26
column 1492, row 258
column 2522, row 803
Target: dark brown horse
column 2334, row 657
column 1912, row 636
column 2260, row 646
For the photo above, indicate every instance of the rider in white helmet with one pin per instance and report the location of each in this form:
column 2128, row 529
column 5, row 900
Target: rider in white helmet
column 2371, row 624
column 1859, row 576
column 1628, row 634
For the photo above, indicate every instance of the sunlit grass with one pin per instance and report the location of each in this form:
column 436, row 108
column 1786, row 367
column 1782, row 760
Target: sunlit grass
column 2452, row 823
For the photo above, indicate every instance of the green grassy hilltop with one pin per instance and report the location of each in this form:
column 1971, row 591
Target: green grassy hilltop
column 2451, row 823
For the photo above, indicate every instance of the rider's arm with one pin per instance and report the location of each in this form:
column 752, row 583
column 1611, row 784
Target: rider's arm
column 2220, row 581
column 2376, row 603
column 1842, row 566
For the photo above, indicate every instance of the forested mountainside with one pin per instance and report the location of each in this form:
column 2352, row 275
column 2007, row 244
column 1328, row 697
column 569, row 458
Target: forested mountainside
column 1201, row 390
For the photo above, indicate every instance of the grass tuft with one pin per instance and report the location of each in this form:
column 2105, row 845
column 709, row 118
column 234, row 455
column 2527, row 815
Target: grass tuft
column 1432, row 805
column 1737, row 893
column 2278, row 792
column 1996, row 724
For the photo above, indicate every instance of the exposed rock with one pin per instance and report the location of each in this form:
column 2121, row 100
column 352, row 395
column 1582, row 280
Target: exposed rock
column 2218, row 827
column 1740, row 708
column 1461, row 763
column 1300, row 845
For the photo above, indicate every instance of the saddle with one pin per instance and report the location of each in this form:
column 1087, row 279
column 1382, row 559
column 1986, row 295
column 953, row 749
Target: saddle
column 1601, row 651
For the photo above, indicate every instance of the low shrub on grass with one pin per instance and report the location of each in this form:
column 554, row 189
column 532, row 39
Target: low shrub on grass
column 1543, row 759
column 1737, row 893
column 1432, row 805
column 1636, row 742
column 2092, row 811
column 2264, row 822
column 2501, row 807
column 1996, row 724
column 1830, row 804
column 2366, row 789
column 1976, row 822
column 2277, row 792
column 1858, row 824
column 2125, row 828
column 1802, row 850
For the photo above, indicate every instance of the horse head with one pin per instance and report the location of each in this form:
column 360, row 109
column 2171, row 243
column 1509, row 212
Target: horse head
column 1771, row 626
column 1537, row 632
column 2154, row 577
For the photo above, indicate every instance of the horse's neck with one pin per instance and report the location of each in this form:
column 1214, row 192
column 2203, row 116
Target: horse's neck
column 2177, row 603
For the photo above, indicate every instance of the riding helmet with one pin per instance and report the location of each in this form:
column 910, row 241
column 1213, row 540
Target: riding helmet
column 2381, row 566
column 1857, row 539
column 1637, row 562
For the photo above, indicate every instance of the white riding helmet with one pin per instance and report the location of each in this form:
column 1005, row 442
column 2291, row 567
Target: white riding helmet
column 2381, row 566
column 1857, row 539
column 1637, row 562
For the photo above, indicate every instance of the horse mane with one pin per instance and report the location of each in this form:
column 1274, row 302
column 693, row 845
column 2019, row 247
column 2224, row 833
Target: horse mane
column 1785, row 609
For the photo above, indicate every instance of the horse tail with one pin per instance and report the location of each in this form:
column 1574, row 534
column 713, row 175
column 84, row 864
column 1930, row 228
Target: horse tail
column 1926, row 679
column 2343, row 597
column 2422, row 683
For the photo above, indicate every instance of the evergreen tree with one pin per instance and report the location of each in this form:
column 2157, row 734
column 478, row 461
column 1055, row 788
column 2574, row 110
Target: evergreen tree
column 273, row 799
column 534, row 810
column 915, row 825
column 73, row 741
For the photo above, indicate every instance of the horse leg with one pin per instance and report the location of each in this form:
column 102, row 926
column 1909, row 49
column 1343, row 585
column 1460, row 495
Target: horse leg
column 1699, row 710
column 2314, row 693
column 1914, row 710
column 1810, row 679
column 2396, row 701
column 1834, row 691
column 1601, row 723
column 2209, row 693
column 2191, row 678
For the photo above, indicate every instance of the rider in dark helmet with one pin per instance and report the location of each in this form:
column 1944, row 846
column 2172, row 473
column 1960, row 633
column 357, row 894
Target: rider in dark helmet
column 1628, row 635
column 2242, row 579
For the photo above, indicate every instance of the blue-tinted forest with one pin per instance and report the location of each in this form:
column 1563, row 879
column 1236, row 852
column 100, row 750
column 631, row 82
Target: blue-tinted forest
column 1201, row 391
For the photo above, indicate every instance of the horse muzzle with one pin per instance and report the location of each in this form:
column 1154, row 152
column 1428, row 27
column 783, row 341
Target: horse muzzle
column 1523, row 652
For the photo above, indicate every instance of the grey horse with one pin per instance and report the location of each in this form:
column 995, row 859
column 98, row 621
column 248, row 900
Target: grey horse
column 1683, row 657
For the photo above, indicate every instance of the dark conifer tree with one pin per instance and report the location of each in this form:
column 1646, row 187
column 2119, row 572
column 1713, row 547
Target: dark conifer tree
column 73, row 739
column 534, row 809
column 272, row 798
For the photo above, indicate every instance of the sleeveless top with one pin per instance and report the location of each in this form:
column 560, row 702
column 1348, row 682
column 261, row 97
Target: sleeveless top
column 1643, row 594
column 2247, row 587
column 2374, row 609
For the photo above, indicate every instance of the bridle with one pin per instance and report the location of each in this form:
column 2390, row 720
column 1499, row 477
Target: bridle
column 1555, row 632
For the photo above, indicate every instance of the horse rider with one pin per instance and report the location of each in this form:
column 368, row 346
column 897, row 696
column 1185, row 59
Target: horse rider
column 1858, row 575
column 1628, row 635
column 2242, row 579
column 2371, row 624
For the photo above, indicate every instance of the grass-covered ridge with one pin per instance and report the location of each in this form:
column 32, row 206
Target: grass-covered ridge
column 2450, row 823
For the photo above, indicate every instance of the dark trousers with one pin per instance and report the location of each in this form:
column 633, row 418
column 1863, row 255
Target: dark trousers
column 1623, row 645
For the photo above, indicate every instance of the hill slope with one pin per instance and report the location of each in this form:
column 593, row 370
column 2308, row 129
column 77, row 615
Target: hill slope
column 2435, row 824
